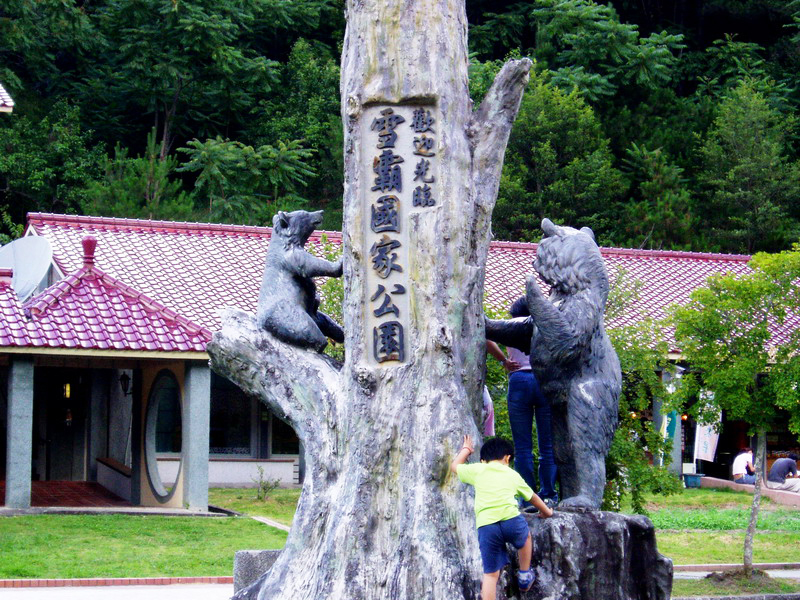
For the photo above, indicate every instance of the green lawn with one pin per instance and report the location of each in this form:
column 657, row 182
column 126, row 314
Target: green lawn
column 696, row 526
column 279, row 505
column 706, row 587
column 72, row 546
column 719, row 547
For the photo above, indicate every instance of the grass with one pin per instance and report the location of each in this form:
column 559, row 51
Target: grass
column 280, row 505
column 696, row 526
column 73, row 546
column 719, row 547
column 704, row 498
column 708, row 587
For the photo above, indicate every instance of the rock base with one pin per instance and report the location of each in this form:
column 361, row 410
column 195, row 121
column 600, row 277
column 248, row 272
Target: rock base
column 580, row 555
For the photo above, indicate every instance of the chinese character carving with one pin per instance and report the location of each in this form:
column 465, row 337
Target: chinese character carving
column 423, row 146
column 384, row 261
column 421, row 171
column 386, row 167
column 388, row 342
column 387, row 306
column 385, row 126
column 384, row 215
column 422, row 196
column 422, row 121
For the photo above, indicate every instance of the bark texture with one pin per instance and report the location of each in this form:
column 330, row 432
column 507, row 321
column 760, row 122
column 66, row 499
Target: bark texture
column 380, row 515
column 759, row 461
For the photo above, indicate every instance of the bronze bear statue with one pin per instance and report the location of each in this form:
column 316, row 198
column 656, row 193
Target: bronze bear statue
column 288, row 304
column 572, row 357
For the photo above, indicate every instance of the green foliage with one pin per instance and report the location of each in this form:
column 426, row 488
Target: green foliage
column 331, row 295
column 175, row 63
column 558, row 165
column 12, row 230
column 642, row 355
column 249, row 185
column 46, row 164
column 264, row 485
column 725, row 335
column 660, row 212
column 497, row 384
column 38, row 38
column 751, row 185
column 306, row 106
column 139, row 187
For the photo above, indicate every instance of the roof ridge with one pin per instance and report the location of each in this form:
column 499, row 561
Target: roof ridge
column 642, row 252
column 142, row 225
column 196, row 227
column 50, row 296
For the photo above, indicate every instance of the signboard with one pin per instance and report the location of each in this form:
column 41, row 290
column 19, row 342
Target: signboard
column 400, row 166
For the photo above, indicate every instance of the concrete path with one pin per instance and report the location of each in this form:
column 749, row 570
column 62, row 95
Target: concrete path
column 776, row 573
column 195, row 591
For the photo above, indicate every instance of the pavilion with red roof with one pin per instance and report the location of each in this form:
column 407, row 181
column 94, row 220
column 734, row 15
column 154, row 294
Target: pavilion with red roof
column 106, row 363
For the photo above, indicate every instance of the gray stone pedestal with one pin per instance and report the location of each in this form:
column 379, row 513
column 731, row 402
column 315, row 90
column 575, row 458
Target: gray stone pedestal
column 249, row 565
column 594, row 555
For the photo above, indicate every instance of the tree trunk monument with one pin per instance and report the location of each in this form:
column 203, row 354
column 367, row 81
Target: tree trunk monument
column 380, row 515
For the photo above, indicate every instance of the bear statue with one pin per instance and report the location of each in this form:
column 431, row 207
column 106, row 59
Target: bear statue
column 288, row 303
column 572, row 357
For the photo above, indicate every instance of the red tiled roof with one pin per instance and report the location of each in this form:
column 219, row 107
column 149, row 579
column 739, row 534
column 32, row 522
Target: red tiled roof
column 194, row 268
column 13, row 325
column 6, row 103
column 198, row 268
column 91, row 310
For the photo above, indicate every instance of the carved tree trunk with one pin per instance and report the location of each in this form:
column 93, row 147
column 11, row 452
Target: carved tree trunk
column 380, row 515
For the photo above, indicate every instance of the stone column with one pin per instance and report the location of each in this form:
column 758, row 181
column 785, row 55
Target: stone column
column 194, row 447
column 20, row 434
column 97, row 420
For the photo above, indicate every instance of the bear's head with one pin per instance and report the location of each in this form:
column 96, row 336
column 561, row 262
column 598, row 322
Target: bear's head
column 296, row 227
column 569, row 260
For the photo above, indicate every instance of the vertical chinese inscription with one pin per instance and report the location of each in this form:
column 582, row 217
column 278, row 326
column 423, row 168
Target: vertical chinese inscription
column 400, row 150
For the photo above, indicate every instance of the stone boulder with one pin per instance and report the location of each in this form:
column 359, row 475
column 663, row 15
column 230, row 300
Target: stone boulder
column 593, row 555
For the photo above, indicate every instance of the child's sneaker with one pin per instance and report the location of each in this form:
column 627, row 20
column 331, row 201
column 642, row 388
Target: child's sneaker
column 525, row 580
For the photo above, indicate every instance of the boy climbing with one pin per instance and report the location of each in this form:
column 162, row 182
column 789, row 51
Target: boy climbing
column 497, row 514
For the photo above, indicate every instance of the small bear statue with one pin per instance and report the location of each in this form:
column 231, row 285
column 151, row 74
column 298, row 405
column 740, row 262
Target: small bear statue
column 288, row 303
column 572, row 357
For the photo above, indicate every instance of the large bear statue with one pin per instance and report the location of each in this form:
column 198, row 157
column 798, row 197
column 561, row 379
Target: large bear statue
column 572, row 357
column 288, row 303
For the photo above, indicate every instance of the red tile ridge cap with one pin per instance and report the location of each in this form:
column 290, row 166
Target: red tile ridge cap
column 639, row 252
column 51, row 295
column 122, row 224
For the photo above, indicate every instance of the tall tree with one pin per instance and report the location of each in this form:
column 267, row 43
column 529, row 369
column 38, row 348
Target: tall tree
column 379, row 506
column 725, row 334
column 559, row 166
column 751, row 183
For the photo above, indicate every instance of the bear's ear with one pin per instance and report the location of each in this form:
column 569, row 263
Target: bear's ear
column 280, row 220
column 588, row 232
column 548, row 227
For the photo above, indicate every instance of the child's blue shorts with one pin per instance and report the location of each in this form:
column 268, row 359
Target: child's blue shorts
column 493, row 538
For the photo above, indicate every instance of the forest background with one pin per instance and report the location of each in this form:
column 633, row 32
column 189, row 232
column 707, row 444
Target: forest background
column 659, row 123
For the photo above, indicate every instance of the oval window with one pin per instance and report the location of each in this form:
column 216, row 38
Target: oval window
column 163, row 430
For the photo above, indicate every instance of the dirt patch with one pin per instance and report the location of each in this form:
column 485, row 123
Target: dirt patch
column 736, row 577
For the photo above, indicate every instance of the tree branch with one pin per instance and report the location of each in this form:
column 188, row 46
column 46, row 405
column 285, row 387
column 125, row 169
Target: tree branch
column 491, row 126
column 488, row 132
column 299, row 385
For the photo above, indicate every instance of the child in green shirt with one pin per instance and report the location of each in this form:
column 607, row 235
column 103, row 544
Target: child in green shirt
column 497, row 514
